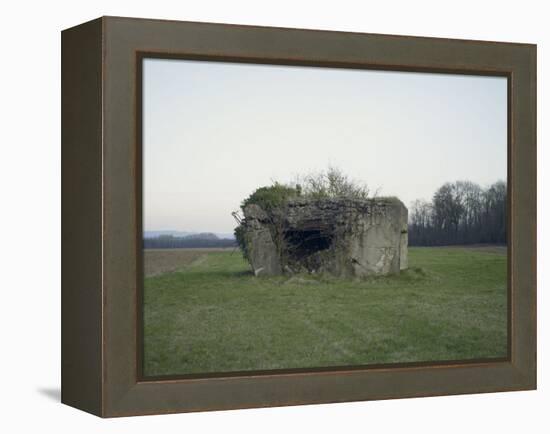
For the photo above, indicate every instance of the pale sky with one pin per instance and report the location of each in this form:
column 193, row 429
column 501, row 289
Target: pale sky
column 213, row 132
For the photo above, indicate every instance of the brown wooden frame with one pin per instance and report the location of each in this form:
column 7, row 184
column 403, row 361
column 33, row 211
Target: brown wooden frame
column 101, row 215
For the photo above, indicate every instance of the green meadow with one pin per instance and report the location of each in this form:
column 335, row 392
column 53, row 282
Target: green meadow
column 209, row 313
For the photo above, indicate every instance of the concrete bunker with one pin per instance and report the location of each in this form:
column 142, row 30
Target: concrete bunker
column 340, row 236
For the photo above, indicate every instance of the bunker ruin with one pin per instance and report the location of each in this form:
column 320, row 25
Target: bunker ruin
column 344, row 237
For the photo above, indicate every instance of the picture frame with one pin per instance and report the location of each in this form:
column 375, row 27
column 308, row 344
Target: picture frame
column 101, row 218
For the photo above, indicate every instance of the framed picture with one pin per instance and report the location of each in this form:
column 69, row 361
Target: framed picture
column 259, row 216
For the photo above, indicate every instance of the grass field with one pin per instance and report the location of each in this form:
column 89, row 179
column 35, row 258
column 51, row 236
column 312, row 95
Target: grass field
column 207, row 313
column 159, row 261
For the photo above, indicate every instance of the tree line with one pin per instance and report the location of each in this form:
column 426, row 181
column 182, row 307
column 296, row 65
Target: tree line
column 461, row 212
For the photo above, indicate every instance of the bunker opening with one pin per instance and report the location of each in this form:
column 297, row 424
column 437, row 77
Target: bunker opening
column 304, row 243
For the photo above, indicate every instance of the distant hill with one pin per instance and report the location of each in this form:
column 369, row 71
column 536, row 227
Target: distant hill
column 173, row 240
column 202, row 236
column 181, row 234
column 226, row 236
column 155, row 234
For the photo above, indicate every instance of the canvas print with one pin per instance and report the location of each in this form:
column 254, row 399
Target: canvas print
column 299, row 217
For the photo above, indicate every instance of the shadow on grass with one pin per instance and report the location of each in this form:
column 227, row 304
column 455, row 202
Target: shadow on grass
column 414, row 276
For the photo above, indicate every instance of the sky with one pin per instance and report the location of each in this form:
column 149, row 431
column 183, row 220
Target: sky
column 213, row 132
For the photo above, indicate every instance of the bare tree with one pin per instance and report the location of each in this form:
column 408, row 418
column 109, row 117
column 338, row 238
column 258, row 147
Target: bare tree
column 460, row 213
